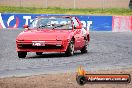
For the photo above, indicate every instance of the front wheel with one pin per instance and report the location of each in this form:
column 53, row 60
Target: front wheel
column 84, row 49
column 70, row 49
column 22, row 54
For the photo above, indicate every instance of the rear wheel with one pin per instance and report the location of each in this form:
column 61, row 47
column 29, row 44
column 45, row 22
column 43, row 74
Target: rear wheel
column 84, row 49
column 70, row 49
column 39, row 53
column 22, row 54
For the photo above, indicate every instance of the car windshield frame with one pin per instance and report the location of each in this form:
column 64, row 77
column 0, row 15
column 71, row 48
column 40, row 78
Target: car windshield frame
column 62, row 23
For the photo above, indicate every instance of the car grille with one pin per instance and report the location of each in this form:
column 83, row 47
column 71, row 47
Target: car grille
column 48, row 45
column 39, row 47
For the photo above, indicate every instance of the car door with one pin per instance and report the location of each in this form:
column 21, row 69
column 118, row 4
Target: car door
column 78, row 34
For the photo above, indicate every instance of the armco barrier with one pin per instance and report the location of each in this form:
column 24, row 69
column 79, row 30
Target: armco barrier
column 93, row 23
column 97, row 23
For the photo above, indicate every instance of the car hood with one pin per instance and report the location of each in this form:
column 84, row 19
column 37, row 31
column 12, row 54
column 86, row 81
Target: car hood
column 44, row 35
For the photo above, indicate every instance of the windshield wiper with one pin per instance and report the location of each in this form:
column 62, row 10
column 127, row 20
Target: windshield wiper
column 42, row 26
column 58, row 26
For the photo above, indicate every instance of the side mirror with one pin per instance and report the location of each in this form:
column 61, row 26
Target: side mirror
column 82, row 25
column 25, row 26
column 78, row 27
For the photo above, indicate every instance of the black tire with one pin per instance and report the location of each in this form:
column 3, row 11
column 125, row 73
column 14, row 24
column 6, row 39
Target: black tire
column 81, row 80
column 84, row 49
column 39, row 53
column 70, row 49
column 22, row 54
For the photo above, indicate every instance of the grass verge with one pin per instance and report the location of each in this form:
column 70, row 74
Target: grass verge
column 88, row 11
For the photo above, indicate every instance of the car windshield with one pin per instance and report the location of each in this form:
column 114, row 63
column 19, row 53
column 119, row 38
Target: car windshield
column 51, row 23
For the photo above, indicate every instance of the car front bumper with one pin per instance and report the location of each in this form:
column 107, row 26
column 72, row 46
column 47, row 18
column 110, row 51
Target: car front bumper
column 48, row 46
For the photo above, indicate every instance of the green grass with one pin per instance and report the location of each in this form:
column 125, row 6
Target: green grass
column 87, row 11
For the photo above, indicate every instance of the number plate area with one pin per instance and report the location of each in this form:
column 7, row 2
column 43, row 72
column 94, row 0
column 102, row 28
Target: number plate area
column 38, row 43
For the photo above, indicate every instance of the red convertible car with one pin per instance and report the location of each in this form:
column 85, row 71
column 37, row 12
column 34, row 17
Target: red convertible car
column 53, row 34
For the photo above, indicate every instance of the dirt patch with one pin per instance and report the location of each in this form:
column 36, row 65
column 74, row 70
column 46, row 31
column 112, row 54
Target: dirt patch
column 62, row 80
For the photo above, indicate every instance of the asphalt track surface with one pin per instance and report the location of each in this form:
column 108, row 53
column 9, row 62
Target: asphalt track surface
column 107, row 50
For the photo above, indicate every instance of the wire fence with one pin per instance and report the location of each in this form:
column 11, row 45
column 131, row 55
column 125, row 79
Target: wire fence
column 67, row 3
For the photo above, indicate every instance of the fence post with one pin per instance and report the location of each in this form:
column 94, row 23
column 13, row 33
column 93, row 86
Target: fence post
column 20, row 3
column 74, row 4
column 103, row 4
column 46, row 3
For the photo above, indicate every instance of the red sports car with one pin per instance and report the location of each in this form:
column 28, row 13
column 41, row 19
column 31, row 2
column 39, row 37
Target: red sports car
column 53, row 34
